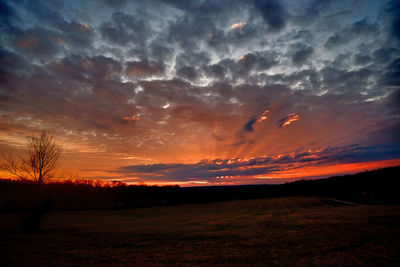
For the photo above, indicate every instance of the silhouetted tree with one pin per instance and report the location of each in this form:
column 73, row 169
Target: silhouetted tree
column 40, row 162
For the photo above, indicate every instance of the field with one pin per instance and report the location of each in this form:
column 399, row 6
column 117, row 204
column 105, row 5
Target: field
column 292, row 231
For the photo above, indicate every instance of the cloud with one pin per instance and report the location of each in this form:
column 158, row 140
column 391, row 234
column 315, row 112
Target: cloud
column 272, row 12
column 7, row 13
column 289, row 119
column 360, row 59
column 340, row 80
column 47, row 13
column 114, row 3
column 189, row 73
column 263, row 116
column 125, row 29
column 361, row 28
column 184, row 5
column 77, row 35
column 385, row 54
column 392, row 9
column 143, row 68
column 10, row 62
column 87, row 68
column 192, row 59
column 38, row 42
column 391, row 76
column 214, row 170
column 238, row 25
column 301, row 54
column 248, row 126
column 131, row 118
column 258, row 61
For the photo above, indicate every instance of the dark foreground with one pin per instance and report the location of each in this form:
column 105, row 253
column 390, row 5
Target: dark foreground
column 295, row 231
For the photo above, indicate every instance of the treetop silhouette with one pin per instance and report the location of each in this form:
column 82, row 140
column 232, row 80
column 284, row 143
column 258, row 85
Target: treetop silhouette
column 40, row 161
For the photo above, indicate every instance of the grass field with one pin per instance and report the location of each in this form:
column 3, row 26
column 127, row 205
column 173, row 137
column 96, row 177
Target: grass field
column 292, row 231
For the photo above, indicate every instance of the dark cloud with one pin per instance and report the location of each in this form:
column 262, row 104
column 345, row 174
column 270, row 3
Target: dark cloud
column 192, row 59
column 272, row 12
column 11, row 62
column 242, row 68
column 301, row 53
column 114, row 3
column 391, row 76
column 125, row 29
column 248, row 126
column 210, row 22
column 357, row 153
column 188, row 73
column 301, row 36
column 215, row 71
column 39, row 42
column 393, row 10
column 7, row 12
column 160, row 52
column 357, row 29
column 72, row 33
column 258, row 61
column 188, row 30
column 212, row 170
column 184, row 5
column 227, row 66
column 385, row 54
column 308, row 79
column 78, row 35
column 343, row 81
column 188, row 65
column 360, row 59
column 315, row 7
column 203, row 170
column 47, row 13
column 87, row 68
column 143, row 68
column 392, row 101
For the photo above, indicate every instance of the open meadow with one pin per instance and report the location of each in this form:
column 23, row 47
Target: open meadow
column 292, row 231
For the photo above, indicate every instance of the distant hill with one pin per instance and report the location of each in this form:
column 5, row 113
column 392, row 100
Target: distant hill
column 376, row 187
column 372, row 187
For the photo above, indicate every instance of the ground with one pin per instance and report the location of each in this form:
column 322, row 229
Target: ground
column 295, row 231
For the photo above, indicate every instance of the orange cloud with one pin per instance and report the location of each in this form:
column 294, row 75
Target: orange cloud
column 238, row 25
column 263, row 116
column 292, row 117
column 131, row 118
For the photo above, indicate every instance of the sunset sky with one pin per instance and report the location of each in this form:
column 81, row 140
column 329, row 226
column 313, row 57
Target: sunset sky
column 203, row 92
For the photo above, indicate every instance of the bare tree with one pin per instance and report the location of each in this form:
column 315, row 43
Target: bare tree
column 40, row 162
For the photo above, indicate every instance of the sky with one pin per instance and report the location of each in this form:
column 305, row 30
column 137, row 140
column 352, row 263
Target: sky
column 207, row 92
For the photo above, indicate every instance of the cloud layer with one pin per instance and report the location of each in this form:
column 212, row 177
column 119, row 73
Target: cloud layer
column 223, row 170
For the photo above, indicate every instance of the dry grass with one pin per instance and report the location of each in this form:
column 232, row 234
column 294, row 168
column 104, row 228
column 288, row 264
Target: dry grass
column 284, row 231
